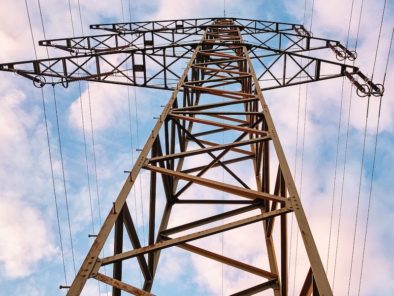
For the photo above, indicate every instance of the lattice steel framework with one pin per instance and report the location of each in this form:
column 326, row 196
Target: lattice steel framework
column 220, row 91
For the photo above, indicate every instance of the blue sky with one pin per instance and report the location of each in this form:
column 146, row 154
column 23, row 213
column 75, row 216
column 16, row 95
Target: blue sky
column 30, row 258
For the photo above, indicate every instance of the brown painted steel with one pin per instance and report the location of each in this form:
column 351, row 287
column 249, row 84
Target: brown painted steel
column 121, row 286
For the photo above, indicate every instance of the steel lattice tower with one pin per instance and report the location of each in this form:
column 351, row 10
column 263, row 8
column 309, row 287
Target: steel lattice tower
column 220, row 92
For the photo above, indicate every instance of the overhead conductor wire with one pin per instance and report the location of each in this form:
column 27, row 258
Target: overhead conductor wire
column 363, row 153
column 337, row 145
column 83, row 131
column 49, row 147
column 94, row 153
column 302, row 149
column 131, row 134
column 373, row 167
column 345, row 157
column 296, row 149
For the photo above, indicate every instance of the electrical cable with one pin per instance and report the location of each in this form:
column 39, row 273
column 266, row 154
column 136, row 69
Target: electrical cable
column 373, row 168
column 61, row 154
column 83, row 122
column 337, row 145
column 363, row 152
column 140, row 179
column 295, row 169
column 94, row 154
column 49, row 146
column 302, row 158
column 346, row 154
column 122, row 10
column 131, row 140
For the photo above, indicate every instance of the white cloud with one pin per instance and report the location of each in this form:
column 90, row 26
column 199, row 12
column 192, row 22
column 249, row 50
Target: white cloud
column 27, row 238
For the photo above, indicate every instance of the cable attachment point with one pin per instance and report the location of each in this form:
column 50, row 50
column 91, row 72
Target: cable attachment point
column 300, row 29
column 342, row 53
column 366, row 88
column 39, row 81
column 64, row 82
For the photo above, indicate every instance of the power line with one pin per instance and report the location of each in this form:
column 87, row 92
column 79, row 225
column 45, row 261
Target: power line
column 302, row 149
column 373, row 167
column 346, row 153
column 60, row 147
column 363, row 152
column 337, row 144
column 48, row 144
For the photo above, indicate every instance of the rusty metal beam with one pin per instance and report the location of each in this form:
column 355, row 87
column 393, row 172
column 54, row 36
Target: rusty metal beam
column 190, row 237
column 121, row 286
column 229, row 261
column 247, row 193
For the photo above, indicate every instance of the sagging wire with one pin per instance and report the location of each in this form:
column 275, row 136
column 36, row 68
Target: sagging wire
column 131, row 143
column 302, row 161
column 51, row 160
column 140, row 181
column 94, row 153
column 83, row 128
column 373, row 168
column 363, row 151
column 337, row 146
column 346, row 154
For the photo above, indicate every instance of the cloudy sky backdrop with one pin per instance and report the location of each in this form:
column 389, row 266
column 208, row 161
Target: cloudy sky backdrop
column 30, row 254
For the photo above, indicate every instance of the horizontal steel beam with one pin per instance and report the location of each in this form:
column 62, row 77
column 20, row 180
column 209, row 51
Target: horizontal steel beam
column 122, row 286
column 228, row 261
column 190, row 237
column 207, row 149
column 247, row 193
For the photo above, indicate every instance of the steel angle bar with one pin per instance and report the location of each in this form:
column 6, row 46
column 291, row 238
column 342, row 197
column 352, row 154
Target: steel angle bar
column 247, row 193
column 207, row 149
column 117, row 42
column 222, row 125
column 211, row 219
column 210, row 143
column 215, row 201
column 228, row 261
column 190, row 237
column 121, row 285
column 258, row 288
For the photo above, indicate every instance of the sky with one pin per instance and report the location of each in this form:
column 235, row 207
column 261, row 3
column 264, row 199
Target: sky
column 30, row 250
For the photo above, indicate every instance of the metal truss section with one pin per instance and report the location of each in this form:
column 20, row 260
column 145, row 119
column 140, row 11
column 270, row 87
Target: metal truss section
column 180, row 24
column 158, row 67
column 154, row 68
column 217, row 96
column 272, row 35
column 117, row 42
column 150, row 54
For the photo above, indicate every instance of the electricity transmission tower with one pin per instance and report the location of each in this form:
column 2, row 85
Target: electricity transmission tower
column 218, row 95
